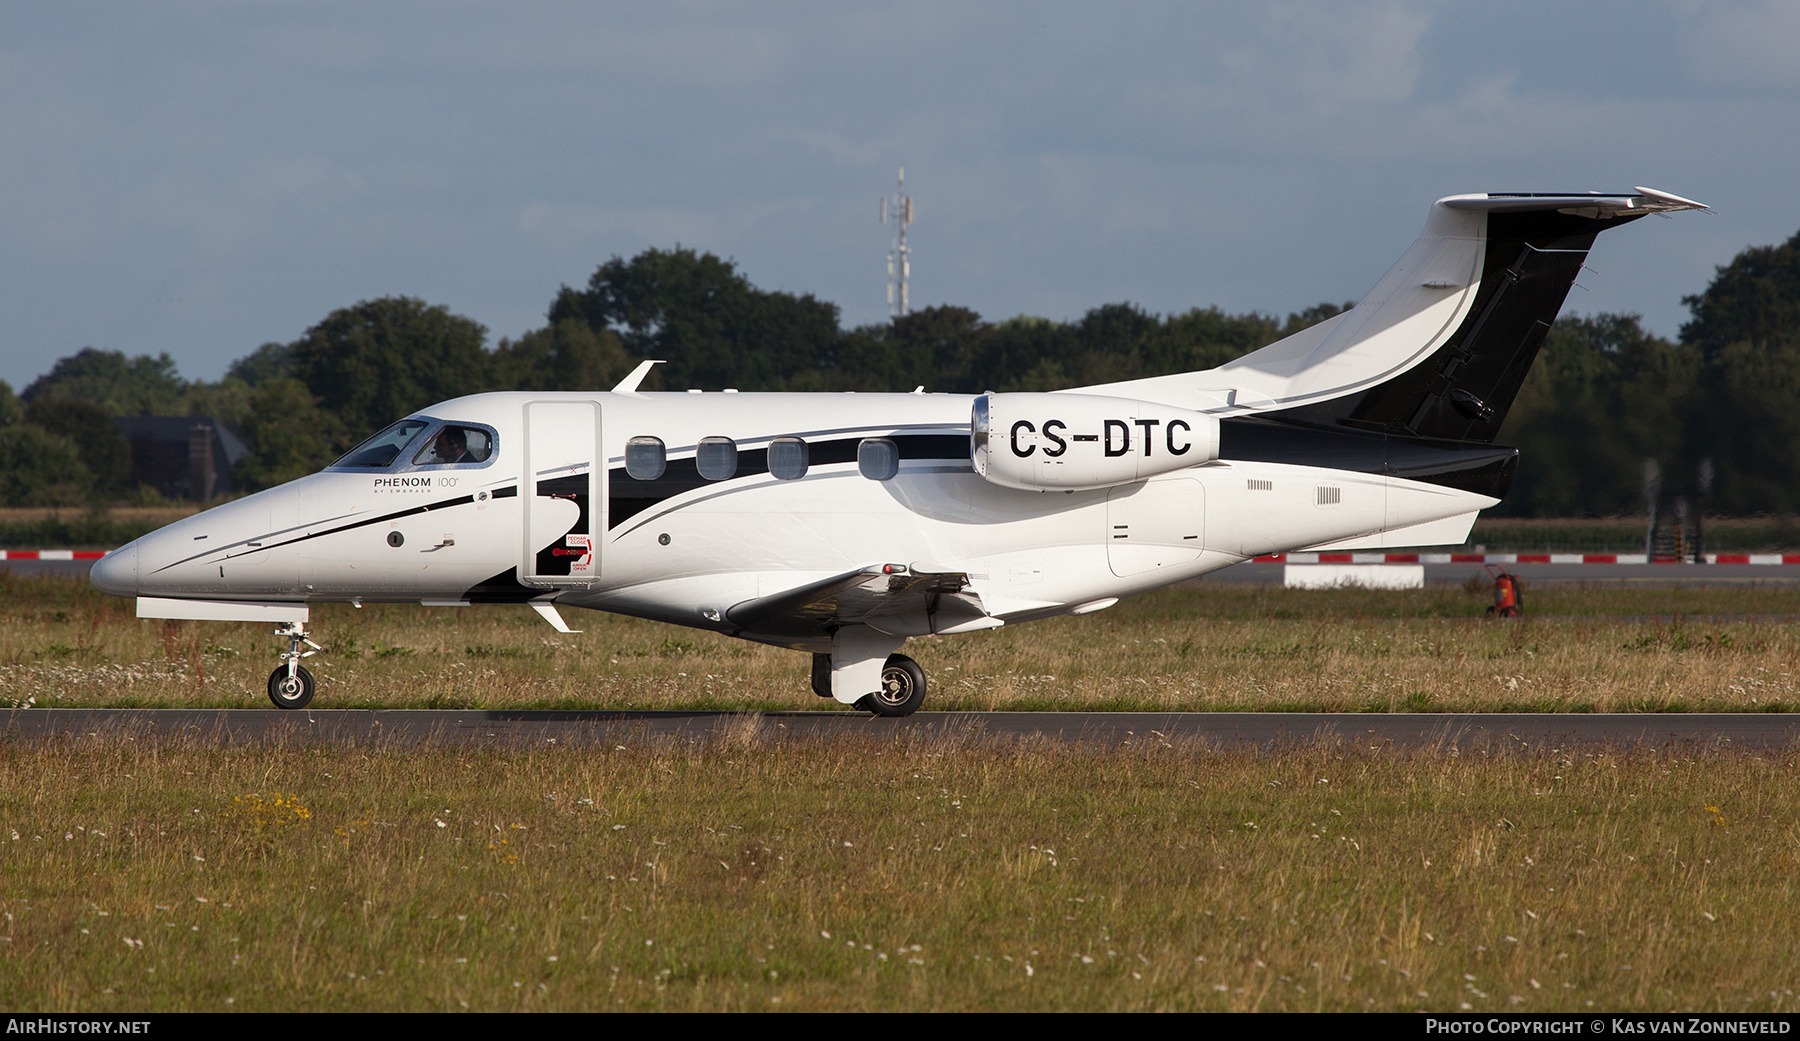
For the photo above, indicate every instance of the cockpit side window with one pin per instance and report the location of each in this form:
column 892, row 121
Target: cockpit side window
column 380, row 451
column 456, row 444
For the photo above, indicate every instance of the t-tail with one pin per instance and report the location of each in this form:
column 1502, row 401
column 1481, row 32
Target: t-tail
column 1417, row 378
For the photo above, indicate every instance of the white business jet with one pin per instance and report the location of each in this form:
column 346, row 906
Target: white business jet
column 842, row 524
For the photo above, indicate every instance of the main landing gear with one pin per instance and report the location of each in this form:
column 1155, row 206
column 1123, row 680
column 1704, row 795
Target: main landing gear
column 290, row 685
column 902, row 688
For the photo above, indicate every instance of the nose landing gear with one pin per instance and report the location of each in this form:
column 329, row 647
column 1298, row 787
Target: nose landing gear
column 290, row 685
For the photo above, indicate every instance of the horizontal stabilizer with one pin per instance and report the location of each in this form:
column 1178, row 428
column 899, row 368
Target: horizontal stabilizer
column 1638, row 200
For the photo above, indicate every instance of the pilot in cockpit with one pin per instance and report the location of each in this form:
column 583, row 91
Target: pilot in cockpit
column 450, row 446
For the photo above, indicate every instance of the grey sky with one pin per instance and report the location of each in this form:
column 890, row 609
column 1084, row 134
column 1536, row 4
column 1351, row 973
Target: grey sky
column 202, row 178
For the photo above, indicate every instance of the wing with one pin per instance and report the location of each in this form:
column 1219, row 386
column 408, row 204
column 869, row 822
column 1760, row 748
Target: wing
column 890, row 597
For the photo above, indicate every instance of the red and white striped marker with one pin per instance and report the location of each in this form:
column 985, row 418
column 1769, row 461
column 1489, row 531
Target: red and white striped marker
column 1515, row 558
column 1273, row 558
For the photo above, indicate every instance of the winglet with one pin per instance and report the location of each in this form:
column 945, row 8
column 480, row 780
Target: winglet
column 629, row 384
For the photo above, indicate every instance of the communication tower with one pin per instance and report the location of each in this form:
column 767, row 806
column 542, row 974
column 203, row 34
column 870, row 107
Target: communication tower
column 899, row 259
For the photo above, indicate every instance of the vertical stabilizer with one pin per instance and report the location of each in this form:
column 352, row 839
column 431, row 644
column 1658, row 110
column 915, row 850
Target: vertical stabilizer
column 1440, row 346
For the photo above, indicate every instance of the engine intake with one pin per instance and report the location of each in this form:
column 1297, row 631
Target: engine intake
column 1066, row 442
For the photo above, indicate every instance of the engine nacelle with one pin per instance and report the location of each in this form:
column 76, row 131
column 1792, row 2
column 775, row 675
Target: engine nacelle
column 1065, row 442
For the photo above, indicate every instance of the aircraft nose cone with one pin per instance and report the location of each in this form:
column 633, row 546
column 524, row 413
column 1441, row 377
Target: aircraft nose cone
column 117, row 572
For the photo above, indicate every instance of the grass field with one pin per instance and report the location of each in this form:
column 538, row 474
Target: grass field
column 1199, row 647
column 33, row 527
column 750, row 872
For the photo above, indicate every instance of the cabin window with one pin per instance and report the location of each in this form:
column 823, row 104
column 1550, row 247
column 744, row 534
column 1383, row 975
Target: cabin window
column 385, row 447
column 878, row 459
column 787, row 458
column 716, row 458
column 456, row 444
column 646, row 458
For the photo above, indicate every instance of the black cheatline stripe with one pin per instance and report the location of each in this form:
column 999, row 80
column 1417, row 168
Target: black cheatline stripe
column 446, row 504
column 615, row 532
column 627, row 496
column 960, row 432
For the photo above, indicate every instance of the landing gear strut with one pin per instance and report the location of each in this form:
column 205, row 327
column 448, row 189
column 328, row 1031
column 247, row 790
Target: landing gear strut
column 290, row 685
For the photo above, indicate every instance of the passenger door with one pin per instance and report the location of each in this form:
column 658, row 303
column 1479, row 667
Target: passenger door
column 563, row 491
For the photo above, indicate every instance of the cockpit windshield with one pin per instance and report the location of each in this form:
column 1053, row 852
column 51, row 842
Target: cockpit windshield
column 382, row 449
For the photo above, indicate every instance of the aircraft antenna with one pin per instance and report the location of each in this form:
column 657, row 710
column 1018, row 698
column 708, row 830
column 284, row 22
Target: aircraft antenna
column 899, row 258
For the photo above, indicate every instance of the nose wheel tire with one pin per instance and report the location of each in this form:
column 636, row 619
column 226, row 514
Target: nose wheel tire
column 294, row 691
column 902, row 689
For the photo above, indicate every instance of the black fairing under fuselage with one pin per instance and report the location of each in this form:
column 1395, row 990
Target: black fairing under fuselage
column 1486, row 469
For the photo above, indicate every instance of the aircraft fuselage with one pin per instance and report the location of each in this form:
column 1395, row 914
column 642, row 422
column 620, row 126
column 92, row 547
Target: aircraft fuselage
column 684, row 548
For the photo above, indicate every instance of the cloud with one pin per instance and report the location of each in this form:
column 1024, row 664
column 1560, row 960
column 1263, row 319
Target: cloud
column 203, row 177
column 564, row 223
column 1748, row 44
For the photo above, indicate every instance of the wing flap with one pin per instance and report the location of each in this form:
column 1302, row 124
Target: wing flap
column 890, row 597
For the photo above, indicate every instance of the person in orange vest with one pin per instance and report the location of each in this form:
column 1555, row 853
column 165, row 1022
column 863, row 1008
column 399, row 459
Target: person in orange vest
column 1509, row 599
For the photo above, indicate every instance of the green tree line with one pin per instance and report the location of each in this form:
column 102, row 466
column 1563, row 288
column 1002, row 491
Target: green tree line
column 1604, row 395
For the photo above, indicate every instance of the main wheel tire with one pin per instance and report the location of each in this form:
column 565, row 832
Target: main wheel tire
column 902, row 689
column 294, row 691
